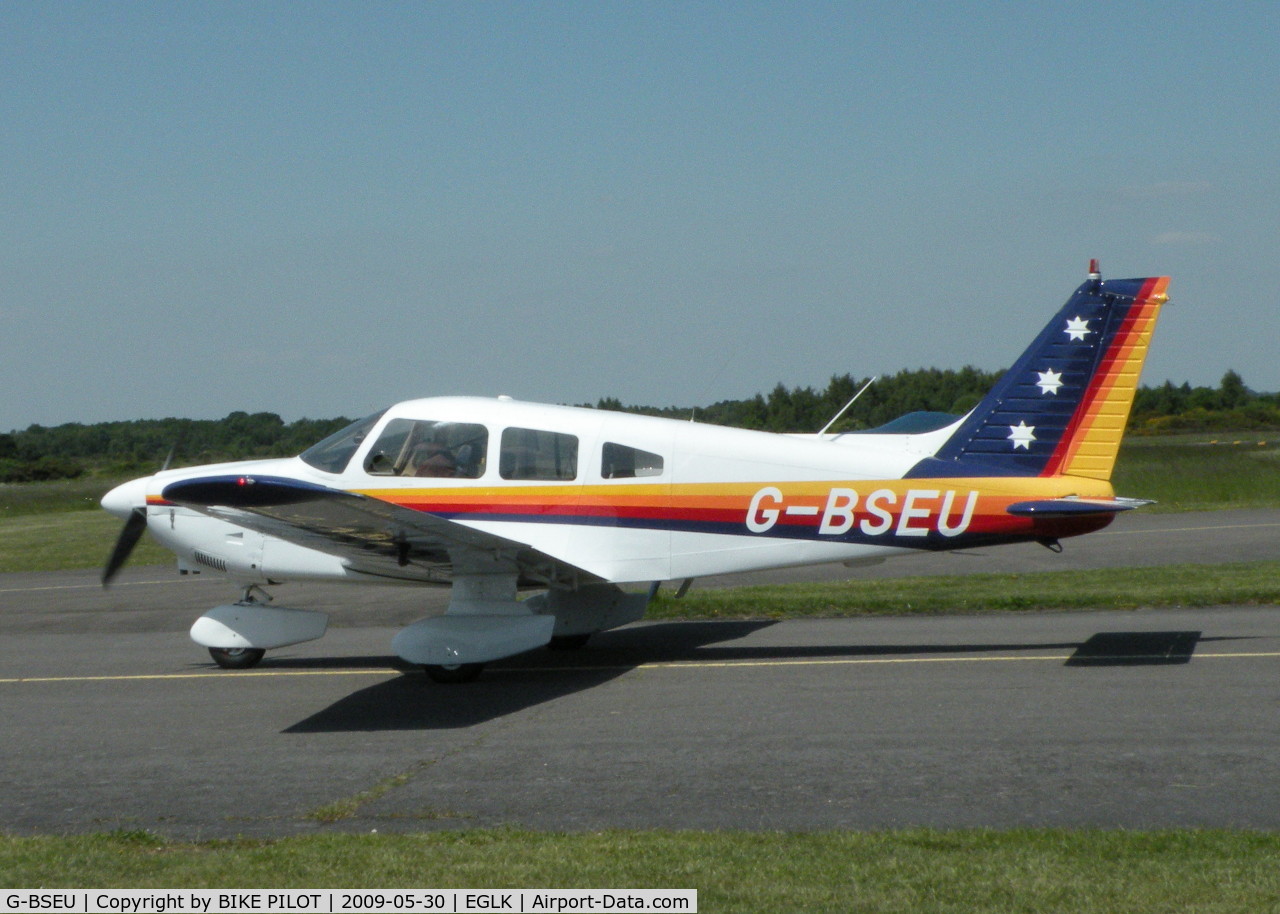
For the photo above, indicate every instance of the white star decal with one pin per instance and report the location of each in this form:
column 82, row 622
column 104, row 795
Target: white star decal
column 1049, row 381
column 1022, row 435
column 1077, row 329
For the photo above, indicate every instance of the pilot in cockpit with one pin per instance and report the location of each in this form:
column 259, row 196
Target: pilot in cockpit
column 432, row 459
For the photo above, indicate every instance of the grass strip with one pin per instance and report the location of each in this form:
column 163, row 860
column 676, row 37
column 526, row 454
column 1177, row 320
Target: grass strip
column 65, row 541
column 57, row 496
column 1240, row 583
column 917, row 870
column 1201, row 473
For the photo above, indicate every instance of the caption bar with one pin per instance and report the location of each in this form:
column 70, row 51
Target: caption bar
column 344, row 901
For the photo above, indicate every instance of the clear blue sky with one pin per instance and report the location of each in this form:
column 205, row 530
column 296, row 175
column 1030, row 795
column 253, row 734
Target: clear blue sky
column 317, row 209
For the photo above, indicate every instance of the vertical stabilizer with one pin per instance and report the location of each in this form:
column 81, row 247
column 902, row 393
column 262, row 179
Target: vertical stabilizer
column 1062, row 408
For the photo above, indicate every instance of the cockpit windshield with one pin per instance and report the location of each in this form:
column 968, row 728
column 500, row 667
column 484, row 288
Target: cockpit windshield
column 334, row 453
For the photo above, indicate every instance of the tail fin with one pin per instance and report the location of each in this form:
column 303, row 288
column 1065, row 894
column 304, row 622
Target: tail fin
column 1062, row 408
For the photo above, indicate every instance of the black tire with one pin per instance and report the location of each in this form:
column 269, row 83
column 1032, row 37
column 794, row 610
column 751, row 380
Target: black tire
column 454, row 674
column 236, row 658
column 568, row 642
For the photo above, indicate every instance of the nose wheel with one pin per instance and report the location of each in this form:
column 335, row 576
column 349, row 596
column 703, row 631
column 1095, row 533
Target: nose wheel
column 236, row 658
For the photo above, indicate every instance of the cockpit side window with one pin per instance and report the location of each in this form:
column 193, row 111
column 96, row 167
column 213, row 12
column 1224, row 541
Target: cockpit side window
column 333, row 453
column 618, row 461
column 529, row 453
column 421, row 447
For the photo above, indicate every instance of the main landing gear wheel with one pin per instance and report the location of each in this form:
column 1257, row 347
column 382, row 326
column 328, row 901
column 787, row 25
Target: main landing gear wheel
column 454, row 673
column 236, row 658
column 568, row 642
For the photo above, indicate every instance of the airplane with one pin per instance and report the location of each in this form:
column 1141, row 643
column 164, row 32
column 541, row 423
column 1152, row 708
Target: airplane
column 494, row 496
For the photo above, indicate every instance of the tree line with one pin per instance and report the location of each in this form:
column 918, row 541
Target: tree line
column 805, row 409
column 40, row 453
column 1168, row 408
column 67, row 451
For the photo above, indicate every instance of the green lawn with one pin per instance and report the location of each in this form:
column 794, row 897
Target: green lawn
column 1238, row 583
column 83, row 494
column 1201, row 472
column 67, row 539
column 897, row 871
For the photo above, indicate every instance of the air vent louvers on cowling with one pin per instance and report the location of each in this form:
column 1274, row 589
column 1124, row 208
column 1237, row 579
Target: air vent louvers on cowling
column 209, row 561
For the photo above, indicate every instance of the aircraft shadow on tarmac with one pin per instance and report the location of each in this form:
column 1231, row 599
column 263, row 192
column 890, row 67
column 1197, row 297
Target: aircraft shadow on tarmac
column 410, row 702
column 662, row 643
column 1137, row 648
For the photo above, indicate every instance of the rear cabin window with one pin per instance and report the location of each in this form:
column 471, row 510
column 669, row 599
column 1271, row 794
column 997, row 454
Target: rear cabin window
column 418, row 447
column 529, row 453
column 617, row 461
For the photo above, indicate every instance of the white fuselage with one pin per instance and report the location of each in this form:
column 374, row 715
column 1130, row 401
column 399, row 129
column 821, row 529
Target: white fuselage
column 699, row 499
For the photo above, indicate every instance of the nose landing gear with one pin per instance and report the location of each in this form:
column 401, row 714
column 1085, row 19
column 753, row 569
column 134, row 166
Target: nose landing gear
column 237, row 635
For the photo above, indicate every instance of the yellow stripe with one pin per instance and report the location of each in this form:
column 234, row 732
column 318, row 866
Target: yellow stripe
column 212, row 674
column 656, row 665
column 870, row 661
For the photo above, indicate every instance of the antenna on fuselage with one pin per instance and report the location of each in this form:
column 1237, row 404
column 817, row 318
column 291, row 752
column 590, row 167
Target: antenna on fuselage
column 844, row 409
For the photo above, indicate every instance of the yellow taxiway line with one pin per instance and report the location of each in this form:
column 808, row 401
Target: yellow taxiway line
column 238, row 675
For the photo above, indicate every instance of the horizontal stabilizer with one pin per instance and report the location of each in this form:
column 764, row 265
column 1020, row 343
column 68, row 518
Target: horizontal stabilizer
column 1075, row 507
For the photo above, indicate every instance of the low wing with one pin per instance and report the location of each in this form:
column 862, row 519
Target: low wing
column 372, row 536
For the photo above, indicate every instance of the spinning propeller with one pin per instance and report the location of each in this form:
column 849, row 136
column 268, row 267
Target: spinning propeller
column 128, row 501
column 134, row 526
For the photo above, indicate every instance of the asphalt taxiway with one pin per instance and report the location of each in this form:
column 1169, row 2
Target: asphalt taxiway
column 110, row 718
